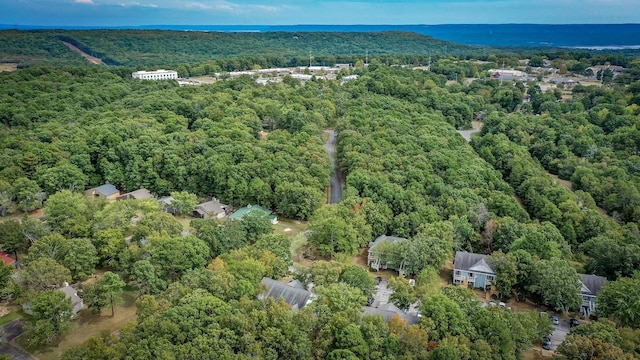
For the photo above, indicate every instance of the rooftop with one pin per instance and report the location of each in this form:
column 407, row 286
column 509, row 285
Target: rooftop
column 591, row 284
column 388, row 311
column 471, row 262
column 106, row 189
column 381, row 238
column 249, row 208
column 293, row 296
column 6, row 259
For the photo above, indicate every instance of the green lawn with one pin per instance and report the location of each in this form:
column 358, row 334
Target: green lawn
column 9, row 317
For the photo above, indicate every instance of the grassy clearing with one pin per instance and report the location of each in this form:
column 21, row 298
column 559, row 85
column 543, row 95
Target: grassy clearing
column 86, row 326
column 9, row 318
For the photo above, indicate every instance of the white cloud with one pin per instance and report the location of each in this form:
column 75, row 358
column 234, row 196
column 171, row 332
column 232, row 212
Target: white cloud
column 83, row 1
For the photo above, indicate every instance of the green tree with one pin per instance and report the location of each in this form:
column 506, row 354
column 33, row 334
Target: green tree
column 403, row 295
column 340, row 297
column 157, row 223
column 26, row 194
column 557, row 283
column 62, row 176
column 358, row 278
column 331, row 233
column 431, row 247
column 183, row 202
column 12, row 238
column 506, row 269
column 40, row 274
column 575, row 347
column 256, row 224
column 444, row 317
column 70, row 214
column 618, row 300
column 52, row 312
column 144, row 276
column 173, row 257
column 81, row 258
column 109, row 287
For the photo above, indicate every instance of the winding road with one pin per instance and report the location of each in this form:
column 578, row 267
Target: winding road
column 335, row 179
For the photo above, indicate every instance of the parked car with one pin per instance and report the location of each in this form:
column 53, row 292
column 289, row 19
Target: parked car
column 502, row 305
column 555, row 320
column 573, row 322
column 546, row 344
column 492, row 303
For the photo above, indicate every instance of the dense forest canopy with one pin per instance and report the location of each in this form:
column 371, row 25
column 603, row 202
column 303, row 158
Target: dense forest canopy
column 407, row 173
column 138, row 48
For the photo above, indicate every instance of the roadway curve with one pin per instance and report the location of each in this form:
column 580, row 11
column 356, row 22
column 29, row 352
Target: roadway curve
column 335, row 179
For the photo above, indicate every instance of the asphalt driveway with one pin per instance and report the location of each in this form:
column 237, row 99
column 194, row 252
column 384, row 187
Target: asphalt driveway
column 9, row 332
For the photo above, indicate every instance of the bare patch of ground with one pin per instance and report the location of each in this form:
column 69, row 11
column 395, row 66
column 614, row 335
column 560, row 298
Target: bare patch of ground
column 8, row 67
column 91, row 59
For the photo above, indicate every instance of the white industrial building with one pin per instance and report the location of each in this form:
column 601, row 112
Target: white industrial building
column 160, row 74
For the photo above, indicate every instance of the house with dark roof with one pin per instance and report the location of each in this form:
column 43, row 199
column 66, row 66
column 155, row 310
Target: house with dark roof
column 141, row 193
column 590, row 286
column 106, row 191
column 212, row 209
column 250, row 208
column 388, row 311
column 472, row 270
column 378, row 259
column 292, row 295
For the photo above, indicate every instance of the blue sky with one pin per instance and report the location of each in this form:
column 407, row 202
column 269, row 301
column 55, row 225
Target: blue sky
column 287, row 12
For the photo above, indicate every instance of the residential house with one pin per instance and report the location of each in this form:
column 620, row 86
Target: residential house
column 211, row 209
column 388, row 311
column 76, row 302
column 590, row 286
column 376, row 260
column 165, row 202
column 472, row 270
column 6, row 259
column 291, row 294
column 106, row 191
column 141, row 193
column 249, row 208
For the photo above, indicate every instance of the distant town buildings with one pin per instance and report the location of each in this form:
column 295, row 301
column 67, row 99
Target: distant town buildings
column 160, row 74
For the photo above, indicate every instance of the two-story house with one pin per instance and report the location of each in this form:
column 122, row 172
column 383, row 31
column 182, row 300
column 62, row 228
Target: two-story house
column 381, row 256
column 590, row 286
column 472, row 270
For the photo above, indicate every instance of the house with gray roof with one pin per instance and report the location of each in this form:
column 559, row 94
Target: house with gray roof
column 388, row 311
column 380, row 257
column 165, row 202
column 472, row 270
column 292, row 295
column 590, row 286
column 76, row 302
column 212, row 209
column 141, row 193
column 106, row 191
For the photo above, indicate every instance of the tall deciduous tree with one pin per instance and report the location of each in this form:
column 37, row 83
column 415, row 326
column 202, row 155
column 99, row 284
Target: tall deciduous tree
column 52, row 311
column 12, row 238
column 39, row 275
column 557, row 283
column 618, row 300
column 183, row 202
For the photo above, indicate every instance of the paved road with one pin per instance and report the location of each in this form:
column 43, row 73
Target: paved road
column 560, row 331
column 336, row 184
column 466, row 134
column 9, row 332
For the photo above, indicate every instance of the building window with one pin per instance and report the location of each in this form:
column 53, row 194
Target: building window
column 457, row 272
